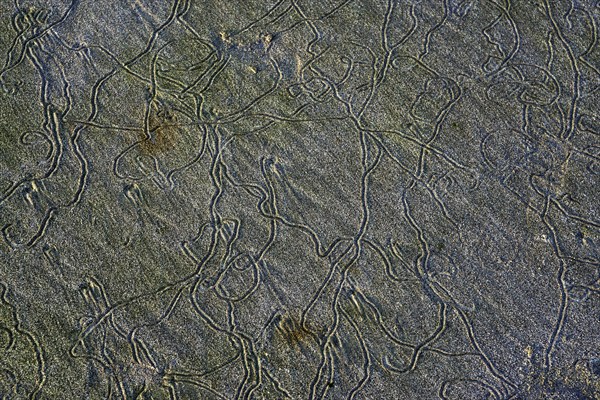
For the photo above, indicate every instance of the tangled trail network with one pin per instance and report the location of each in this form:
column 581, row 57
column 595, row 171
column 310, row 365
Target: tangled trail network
column 290, row 199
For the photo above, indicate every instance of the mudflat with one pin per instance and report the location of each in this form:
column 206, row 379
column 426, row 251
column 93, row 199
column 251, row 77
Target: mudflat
column 299, row 199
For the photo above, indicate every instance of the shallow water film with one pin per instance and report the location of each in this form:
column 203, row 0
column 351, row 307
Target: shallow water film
column 294, row 199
